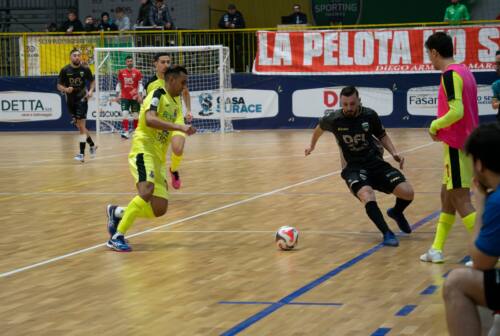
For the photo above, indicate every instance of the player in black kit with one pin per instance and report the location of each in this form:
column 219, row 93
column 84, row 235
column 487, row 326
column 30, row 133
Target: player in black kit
column 359, row 133
column 73, row 80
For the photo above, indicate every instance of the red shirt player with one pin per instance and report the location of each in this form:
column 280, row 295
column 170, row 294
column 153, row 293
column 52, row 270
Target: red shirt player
column 129, row 90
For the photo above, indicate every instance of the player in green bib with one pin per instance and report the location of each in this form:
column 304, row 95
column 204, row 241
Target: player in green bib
column 147, row 157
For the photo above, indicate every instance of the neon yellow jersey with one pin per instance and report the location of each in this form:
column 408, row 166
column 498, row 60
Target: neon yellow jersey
column 154, row 83
column 151, row 140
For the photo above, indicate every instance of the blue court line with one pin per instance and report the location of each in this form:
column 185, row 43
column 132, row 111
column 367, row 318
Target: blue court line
column 406, row 310
column 429, row 290
column 381, row 332
column 291, row 303
column 315, row 304
column 287, row 299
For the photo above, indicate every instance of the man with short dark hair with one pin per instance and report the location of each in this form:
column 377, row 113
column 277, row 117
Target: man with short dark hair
column 495, row 103
column 147, row 157
column 72, row 24
column 358, row 131
column 73, row 81
column 106, row 24
column 159, row 15
column 89, row 25
column 466, row 288
column 457, row 117
column 161, row 62
column 129, row 91
column 232, row 19
column 297, row 17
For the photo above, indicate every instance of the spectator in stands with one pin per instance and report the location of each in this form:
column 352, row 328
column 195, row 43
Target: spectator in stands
column 232, row 19
column 51, row 27
column 466, row 288
column 89, row 25
column 495, row 102
column 122, row 21
column 105, row 23
column 297, row 17
column 159, row 15
column 72, row 24
column 143, row 17
column 456, row 12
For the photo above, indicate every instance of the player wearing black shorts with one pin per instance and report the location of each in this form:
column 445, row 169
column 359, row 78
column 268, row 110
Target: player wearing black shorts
column 73, row 81
column 359, row 133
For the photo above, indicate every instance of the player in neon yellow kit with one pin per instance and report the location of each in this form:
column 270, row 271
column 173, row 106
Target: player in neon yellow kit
column 161, row 62
column 147, row 158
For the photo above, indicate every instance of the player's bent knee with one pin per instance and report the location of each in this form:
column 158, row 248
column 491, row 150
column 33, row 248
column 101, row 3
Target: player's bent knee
column 456, row 281
column 407, row 190
column 366, row 194
column 160, row 206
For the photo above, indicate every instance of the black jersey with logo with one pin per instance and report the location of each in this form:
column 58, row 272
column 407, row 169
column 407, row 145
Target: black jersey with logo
column 78, row 78
column 356, row 136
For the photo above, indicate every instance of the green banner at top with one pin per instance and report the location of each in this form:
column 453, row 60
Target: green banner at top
column 330, row 12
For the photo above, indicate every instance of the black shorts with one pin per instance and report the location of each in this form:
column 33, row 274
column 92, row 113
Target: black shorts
column 492, row 288
column 78, row 109
column 377, row 174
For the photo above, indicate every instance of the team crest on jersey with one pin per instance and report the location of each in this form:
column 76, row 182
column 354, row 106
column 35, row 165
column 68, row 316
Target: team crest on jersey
column 151, row 174
column 81, row 73
column 365, row 126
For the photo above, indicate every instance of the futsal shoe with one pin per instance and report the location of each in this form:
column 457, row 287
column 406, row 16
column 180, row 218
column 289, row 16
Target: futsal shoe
column 113, row 221
column 432, row 255
column 118, row 244
column 400, row 220
column 176, row 179
column 79, row 158
column 124, row 135
column 93, row 151
column 390, row 239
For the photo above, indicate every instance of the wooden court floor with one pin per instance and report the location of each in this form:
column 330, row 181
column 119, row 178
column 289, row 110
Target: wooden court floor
column 210, row 266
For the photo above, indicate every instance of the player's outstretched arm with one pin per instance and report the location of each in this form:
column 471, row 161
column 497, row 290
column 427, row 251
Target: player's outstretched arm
column 153, row 121
column 387, row 143
column 318, row 132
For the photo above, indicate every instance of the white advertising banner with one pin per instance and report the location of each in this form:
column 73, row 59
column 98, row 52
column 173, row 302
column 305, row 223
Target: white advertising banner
column 315, row 103
column 422, row 101
column 109, row 109
column 238, row 104
column 22, row 106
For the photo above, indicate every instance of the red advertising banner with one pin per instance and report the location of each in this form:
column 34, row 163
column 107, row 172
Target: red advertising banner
column 369, row 51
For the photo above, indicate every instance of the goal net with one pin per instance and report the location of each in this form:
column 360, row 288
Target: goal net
column 208, row 75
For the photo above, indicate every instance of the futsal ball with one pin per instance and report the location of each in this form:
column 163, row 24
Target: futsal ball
column 287, row 237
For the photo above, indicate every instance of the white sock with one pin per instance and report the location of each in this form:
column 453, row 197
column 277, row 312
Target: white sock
column 119, row 211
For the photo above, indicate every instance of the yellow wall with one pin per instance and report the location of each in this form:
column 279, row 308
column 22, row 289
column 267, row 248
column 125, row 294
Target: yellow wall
column 261, row 13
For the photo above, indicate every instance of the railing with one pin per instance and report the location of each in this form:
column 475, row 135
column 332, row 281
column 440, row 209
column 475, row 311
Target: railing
column 35, row 54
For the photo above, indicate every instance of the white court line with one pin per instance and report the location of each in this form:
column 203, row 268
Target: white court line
column 273, row 232
column 332, row 232
column 185, row 219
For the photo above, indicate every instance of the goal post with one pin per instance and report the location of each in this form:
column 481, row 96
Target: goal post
column 209, row 73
